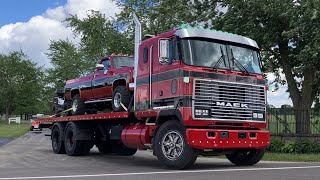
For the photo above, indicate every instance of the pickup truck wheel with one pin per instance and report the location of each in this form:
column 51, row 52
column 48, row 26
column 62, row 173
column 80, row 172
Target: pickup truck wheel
column 120, row 95
column 246, row 158
column 171, row 147
column 78, row 106
column 57, row 139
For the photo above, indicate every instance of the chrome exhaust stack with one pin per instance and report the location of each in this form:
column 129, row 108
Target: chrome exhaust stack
column 137, row 42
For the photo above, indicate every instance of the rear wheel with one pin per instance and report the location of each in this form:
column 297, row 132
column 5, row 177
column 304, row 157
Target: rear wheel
column 104, row 147
column 73, row 146
column 120, row 95
column 246, row 158
column 57, row 139
column 78, row 106
column 171, row 148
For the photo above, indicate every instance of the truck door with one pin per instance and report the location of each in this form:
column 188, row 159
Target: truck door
column 101, row 85
column 144, row 76
column 166, row 74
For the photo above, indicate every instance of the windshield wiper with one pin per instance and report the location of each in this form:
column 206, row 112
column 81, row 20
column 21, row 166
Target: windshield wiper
column 237, row 63
column 222, row 57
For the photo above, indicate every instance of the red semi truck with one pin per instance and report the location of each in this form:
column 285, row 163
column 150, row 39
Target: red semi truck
column 196, row 92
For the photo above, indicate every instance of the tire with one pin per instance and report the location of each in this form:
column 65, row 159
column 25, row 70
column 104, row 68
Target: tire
column 57, row 139
column 184, row 156
column 104, row 147
column 120, row 94
column 246, row 158
column 79, row 108
column 87, row 145
column 75, row 147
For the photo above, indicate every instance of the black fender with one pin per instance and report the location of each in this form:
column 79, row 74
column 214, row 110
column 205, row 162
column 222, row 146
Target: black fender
column 169, row 114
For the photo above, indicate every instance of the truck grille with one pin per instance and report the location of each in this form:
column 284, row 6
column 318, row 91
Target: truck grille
column 228, row 101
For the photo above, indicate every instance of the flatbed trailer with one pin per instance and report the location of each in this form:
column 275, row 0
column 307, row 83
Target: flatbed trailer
column 180, row 108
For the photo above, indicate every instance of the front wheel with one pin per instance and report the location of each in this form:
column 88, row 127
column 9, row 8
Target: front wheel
column 171, row 148
column 246, row 157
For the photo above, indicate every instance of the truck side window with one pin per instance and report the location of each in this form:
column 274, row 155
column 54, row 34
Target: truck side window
column 145, row 55
column 106, row 64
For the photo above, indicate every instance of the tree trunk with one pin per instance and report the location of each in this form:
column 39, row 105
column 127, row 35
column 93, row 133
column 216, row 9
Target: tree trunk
column 301, row 99
column 302, row 120
column 7, row 112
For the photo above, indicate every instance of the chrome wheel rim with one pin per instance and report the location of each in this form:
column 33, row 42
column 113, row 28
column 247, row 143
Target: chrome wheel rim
column 172, row 145
column 117, row 100
column 74, row 105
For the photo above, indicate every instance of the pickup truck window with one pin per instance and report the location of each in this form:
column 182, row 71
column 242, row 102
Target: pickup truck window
column 122, row 61
column 106, row 64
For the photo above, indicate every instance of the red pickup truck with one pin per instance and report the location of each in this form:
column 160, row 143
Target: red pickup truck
column 107, row 87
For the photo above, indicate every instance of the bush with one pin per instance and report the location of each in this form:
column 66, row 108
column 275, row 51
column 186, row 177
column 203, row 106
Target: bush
column 275, row 146
column 302, row 146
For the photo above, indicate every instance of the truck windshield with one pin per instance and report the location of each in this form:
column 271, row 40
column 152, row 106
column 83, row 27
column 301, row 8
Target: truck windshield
column 248, row 58
column 122, row 61
column 206, row 53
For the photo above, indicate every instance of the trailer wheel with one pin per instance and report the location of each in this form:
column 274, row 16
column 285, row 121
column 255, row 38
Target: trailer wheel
column 246, row 158
column 78, row 105
column 74, row 147
column 57, row 139
column 120, row 95
column 171, row 148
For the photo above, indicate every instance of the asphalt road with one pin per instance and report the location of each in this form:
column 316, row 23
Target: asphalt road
column 4, row 141
column 30, row 157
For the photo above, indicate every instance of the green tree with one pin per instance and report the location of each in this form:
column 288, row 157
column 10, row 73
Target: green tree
column 164, row 15
column 99, row 36
column 67, row 63
column 287, row 32
column 20, row 84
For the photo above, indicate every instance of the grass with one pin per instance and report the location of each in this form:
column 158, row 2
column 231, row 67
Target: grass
column 275, row 126
column 291, row 157
column 13, row 130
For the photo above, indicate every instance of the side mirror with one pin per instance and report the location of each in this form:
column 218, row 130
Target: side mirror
column 99, row 67
column 164, row 51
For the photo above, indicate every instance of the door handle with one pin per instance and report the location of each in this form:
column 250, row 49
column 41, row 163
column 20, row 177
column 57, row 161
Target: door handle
column 95, row 75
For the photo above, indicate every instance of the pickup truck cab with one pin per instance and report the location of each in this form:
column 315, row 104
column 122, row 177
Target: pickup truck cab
column 108, row 86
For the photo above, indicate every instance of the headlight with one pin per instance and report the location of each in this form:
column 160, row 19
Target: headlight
column 258, row 116
column 202, row 113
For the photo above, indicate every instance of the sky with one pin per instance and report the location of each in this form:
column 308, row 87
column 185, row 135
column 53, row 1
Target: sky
column 12, row 11
column 30, row 25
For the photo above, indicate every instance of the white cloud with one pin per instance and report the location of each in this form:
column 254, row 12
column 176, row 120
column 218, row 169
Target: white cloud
column 280, row 96
column 34, row 36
